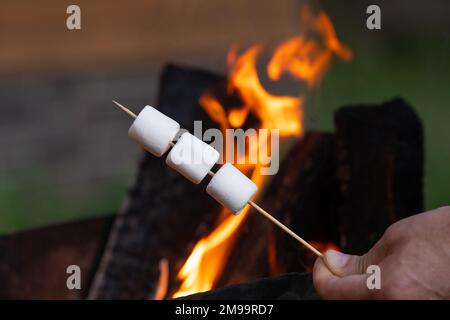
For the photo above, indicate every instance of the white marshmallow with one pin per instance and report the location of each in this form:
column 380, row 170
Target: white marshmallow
column 231, row 188
column 192, row 157
column 153, row 130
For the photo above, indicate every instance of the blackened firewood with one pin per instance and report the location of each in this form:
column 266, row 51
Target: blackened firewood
column 303, row 196
column 162, row 217
column 291, row 286
column 33, row 263
column 164, row 214
column 380, row 160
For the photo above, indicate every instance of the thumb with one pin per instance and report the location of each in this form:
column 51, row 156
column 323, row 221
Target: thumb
column 330, row 286
column 342, row 264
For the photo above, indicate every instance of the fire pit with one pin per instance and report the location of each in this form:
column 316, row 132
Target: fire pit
column 338, row 190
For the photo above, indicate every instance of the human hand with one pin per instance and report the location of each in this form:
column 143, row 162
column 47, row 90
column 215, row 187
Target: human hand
column 413, row 256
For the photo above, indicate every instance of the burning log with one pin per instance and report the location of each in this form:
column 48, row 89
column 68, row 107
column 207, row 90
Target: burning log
column 33, row 263
column 151, row 240
column 228, row 186
column 313, row 193
column 380, row 169
column 149, row 228
column 304, row 196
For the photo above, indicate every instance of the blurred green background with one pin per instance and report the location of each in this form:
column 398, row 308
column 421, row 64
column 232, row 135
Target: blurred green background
column 409, row 58
column 65, row 153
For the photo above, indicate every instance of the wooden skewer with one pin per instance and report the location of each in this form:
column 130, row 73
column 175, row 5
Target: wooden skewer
column 131, row 113
column 284, row 228
column 280, row 225
column 263, row 212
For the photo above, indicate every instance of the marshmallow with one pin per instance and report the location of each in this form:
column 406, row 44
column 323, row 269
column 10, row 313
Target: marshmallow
column 231, row 188
column 192, row 157
column 153, row 130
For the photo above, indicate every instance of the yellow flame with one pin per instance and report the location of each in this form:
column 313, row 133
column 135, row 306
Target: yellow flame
column 205, row 263
column 305, row 58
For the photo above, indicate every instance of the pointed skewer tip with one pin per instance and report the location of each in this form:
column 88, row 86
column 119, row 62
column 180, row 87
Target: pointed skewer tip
column 125, row 109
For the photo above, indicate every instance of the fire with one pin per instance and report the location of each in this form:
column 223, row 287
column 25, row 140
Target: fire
column 206, row 262
column 305, row 57
column 274, row 112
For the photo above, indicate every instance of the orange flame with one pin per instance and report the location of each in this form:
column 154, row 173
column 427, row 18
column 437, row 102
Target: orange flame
column 305, row 59
column 274, row 112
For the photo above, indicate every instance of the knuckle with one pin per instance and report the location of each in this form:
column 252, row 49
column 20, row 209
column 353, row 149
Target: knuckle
column 361, row 264
column 391, row 232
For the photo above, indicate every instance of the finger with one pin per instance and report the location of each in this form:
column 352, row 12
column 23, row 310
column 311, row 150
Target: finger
column 330, row 286
column 342, row 264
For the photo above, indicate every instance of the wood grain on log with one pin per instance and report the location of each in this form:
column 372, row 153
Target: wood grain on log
column 33, row 263
column 380, row 170
column 163, row 215
column 303, row 195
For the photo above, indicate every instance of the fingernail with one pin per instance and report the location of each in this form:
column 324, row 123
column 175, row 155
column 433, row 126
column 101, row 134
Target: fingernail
column 336, row 259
